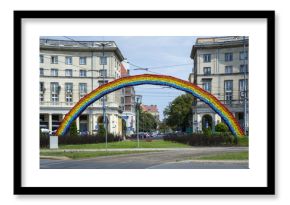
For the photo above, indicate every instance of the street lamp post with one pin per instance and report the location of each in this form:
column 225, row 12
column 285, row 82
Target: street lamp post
column 138, row 97
column 92, row 75
column 103, row 62
column 244, row 90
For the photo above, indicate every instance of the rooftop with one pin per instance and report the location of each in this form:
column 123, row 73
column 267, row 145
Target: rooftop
column 149, row 108
column 124, row 72
column 218, row 42
column 91, row 46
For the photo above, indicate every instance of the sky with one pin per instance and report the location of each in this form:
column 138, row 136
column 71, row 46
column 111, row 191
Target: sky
column 161, row 54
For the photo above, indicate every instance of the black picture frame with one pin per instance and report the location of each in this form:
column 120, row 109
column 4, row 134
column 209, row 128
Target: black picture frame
column 268, row 190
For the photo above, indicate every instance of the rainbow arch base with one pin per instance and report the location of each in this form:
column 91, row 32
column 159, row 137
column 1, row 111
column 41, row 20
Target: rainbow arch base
column 151, row 79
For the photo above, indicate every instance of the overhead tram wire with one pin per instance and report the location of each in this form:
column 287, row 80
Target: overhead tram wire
column 158, row 67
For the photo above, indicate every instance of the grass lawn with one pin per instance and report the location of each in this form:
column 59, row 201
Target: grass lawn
column 243, row 141
column 127, row 144
column 81, row 155
column 227, row 156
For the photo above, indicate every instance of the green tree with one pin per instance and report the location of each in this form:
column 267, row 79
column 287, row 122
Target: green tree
column 101, row 130
column 73, row 130
column 124, row 128
column 147, row 122
column 163, row 127
column 178, row 115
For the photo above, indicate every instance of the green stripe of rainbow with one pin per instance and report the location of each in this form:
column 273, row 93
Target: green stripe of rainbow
column 170, row 81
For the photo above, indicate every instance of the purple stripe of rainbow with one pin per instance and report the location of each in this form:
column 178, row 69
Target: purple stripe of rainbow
column 170, row 81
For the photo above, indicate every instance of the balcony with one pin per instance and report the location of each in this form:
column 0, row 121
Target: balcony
column 98, row 104
column 233, row 104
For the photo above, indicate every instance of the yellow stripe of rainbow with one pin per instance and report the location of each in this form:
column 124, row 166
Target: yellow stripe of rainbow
column 170, row 81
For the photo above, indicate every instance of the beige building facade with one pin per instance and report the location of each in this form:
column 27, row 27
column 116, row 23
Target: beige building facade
column 68, row 71
column 220, row 66
column 128, row 104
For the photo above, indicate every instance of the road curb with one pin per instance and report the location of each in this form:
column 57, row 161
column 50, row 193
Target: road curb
column 54, row 158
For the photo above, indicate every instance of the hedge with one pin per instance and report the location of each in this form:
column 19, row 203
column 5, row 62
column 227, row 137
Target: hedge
column 215, row 139
column 89, row 139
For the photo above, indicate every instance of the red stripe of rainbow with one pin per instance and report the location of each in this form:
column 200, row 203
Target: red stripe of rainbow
column 170, row 81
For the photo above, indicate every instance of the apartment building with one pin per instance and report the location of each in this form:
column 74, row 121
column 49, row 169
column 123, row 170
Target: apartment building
column 71, row 69
column 128, row 105
column 220, row 66
column 152, row 109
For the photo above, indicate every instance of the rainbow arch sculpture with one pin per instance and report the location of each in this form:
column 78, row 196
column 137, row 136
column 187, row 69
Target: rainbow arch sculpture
column 151, row 79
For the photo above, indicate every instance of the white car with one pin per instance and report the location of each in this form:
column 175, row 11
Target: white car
column 44, row 130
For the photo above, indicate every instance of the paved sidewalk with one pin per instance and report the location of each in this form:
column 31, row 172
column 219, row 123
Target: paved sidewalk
column 147, row 149
column 204, row 164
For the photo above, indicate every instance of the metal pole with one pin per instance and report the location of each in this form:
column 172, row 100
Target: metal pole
column 92, row 90
column 244, row 90
column 138, row 123
column 104, row 109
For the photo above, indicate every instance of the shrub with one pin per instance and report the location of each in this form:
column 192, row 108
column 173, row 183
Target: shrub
column 89, row 139
column 198, row 139
column 207, row 131
column 73, row 130
column 102, row 131
column 44, row 140
column 221, row 127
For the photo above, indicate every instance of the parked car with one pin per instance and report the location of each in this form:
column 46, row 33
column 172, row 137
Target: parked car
column 45, row 130
column 160, row 136
column 83, row 133
column 154, row 134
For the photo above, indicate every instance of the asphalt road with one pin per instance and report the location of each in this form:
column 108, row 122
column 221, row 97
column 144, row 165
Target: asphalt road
column 165, row 159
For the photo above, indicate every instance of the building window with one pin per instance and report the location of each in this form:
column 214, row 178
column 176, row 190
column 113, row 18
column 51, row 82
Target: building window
column 228, row 56
column 122, row 100
column 243, row 68
column 243, row 89
column 102, row 82
column 68, row 72
column 206, row 57
column 54, row 89
column 228, row 91
column 228, row 69
column 54, row 72
column 69, row 93
column 41, row 59
column 103, row 73
column 103, row 60
column 83, row 73
column 41, row 90
column 206, row 70
column 68, row 60
column 82, row 89
column 83, row 60
column 54, row 60
column 41, row 72
column 244, row 55
column 206, row 84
